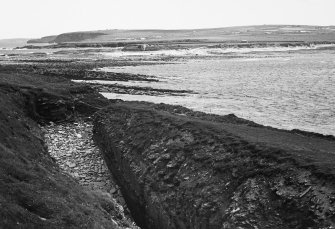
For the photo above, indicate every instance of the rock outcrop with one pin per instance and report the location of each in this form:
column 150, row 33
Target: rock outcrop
column 178, row 171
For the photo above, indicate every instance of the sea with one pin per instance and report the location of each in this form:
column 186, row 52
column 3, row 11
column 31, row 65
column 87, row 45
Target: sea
column 288, row 88
column 282, row 87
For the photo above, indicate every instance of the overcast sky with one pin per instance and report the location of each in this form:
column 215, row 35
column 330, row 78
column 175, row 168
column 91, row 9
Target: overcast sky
column 36, row 18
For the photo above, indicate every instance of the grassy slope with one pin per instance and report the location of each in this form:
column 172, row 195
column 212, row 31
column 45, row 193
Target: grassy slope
column 309, row 150
column 250, row 33
column 197, row 171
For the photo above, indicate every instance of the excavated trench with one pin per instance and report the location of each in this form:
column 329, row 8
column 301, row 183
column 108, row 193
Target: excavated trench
column 71, row 145
column 175, row 168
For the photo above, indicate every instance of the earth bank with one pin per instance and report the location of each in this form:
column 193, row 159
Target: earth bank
column 184, row 169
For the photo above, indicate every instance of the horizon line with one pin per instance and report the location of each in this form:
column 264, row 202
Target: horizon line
column 145, row 29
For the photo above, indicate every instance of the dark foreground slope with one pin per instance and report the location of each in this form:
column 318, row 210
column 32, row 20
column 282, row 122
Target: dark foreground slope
column 34, row 193
column 197, row 171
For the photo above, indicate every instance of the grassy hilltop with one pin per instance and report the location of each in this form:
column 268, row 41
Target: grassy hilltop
column 238, row 33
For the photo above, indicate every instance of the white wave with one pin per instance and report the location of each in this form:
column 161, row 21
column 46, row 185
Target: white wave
column 205, row 51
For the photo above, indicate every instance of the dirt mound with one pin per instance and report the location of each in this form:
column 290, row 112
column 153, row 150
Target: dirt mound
column 178, row 171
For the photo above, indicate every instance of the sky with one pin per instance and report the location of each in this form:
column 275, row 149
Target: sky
column 37, row 18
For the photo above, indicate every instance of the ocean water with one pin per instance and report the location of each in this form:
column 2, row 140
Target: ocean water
column 290, row 87
column 287, row 89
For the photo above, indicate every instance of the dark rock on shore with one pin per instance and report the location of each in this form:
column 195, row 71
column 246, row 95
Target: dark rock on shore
column 74, row 71
column 136, row 90
column 188, row 171
column 76, row 45
column 34, row 192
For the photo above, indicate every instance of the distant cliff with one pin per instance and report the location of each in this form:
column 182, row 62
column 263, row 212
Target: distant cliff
column 67, row 37
column 47, row 39
column 262, row 33
column 77, row 36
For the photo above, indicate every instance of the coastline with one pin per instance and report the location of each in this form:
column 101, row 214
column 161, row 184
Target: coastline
column 134, row 86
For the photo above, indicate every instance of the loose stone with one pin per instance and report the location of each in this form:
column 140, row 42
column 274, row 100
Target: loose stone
column 72, row 147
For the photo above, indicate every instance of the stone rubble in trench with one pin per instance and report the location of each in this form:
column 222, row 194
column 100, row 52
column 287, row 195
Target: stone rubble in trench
column 72, row 147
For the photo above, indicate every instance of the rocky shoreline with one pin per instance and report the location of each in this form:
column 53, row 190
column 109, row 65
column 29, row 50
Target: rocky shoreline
column 175, row 168
column 135, row 90
column 84, row 73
